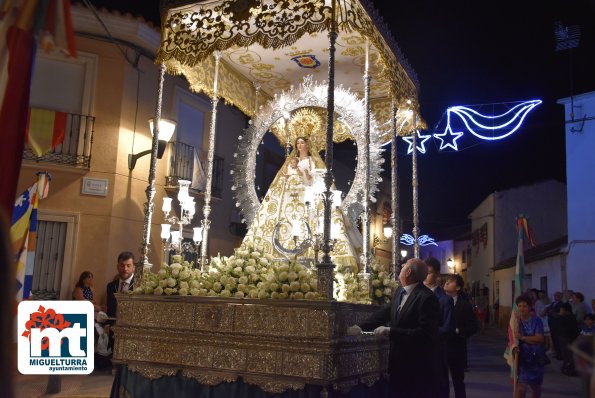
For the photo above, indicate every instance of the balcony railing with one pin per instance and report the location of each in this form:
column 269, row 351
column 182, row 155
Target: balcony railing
column 75, row 150
column 186, row 163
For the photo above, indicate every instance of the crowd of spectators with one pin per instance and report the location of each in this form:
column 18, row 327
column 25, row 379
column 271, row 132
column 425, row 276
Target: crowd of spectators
column 566, row 317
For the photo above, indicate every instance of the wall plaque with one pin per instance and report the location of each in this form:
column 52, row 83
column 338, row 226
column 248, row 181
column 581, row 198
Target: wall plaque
column 94, row 186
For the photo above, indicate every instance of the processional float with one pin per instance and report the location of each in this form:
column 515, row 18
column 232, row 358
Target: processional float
column 272, row 59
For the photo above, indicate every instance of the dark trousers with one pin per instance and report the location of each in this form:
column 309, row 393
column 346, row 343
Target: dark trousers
column 443, row 386
column 567, row 356
column 457, row 362
column 456, row 366
column 102, row 363
column 554, row 333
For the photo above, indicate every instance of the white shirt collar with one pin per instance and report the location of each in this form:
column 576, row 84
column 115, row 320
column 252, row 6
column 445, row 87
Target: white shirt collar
column 127, row 280
column 409, row 288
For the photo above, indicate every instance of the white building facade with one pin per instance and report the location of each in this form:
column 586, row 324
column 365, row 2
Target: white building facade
column 580, row 166
column 494, row 235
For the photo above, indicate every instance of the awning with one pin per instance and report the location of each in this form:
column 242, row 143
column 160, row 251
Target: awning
column 273, row 45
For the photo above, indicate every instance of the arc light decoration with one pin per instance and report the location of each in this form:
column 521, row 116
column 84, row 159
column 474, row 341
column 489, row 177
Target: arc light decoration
column 498, row 126
column 308, row 94
column 424, row 240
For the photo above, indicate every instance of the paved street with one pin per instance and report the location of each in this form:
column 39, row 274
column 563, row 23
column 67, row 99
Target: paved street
column 489, row 373
column 488, row 376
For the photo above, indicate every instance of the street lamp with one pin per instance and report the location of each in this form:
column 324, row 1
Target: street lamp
column 166, row 130
column 387, row 231
column 451, row 265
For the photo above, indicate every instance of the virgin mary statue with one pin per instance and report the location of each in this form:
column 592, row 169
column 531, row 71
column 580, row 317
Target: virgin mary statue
column 288, row 223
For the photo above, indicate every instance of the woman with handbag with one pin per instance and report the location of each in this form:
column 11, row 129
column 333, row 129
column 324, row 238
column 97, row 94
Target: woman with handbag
column 531, row 350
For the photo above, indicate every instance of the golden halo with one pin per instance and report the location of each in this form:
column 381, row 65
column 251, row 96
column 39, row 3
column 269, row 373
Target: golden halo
column 308, row 123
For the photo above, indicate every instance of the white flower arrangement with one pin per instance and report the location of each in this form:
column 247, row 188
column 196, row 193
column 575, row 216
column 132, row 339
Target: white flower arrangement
column 250, row 273
column 383, row 283
column 348, row 286
column 176, row 279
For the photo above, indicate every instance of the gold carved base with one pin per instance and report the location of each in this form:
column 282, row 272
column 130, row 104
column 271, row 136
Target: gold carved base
column 274, row 344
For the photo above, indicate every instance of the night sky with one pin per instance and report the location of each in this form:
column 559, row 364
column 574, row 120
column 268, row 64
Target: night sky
column 470, row 52
column 473, row 52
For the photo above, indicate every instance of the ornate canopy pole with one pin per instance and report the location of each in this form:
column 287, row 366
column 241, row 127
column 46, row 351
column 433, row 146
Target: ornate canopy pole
column 394, row 196
column 206, row 223
column 256, row 92
column 366, row 160
column 415, row 185
column 145, row 248
column 326, row 266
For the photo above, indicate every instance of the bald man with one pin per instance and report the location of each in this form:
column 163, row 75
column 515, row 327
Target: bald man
column 410, row 321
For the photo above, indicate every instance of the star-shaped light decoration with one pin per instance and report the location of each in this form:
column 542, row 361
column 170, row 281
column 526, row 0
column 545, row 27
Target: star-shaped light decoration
column 421, row 140
column 449, row 138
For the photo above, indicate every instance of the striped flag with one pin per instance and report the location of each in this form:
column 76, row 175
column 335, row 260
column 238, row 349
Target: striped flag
column 23, row 233
column 57, row 31
column 17, row 48
column 21, row 21
column 45, row 130
column 513, row 325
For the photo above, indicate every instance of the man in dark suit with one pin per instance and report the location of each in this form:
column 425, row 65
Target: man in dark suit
column 124, row 282
column 447, row 320
column 553, row 315
column 465, row 326
column 413, row 316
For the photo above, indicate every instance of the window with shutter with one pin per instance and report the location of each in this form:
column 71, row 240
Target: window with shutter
column 49, row 258
column 54, row 253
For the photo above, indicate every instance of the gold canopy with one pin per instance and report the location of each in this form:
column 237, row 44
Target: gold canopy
column 273, row 45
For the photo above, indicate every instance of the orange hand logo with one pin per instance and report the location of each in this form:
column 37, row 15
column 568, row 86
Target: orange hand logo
column 43, row 319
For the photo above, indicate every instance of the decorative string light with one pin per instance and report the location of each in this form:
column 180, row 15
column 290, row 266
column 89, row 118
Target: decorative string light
column 421, row 140
column 478, row 124
column 485, row 127
column 424, row 240
column 449, row 138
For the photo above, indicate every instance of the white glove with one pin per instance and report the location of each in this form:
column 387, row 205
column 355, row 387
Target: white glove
column 382, row 331
column 354, row 330
column 101, row 317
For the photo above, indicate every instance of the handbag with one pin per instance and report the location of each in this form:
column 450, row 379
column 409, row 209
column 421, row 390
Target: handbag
column 532, row 354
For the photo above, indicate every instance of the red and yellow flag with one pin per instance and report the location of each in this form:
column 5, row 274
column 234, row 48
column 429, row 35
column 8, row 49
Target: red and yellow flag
column 45, row 130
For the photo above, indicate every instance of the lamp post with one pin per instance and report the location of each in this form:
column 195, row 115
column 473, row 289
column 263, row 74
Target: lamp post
column 150, row 191
column 326, row 268
column 187, row 211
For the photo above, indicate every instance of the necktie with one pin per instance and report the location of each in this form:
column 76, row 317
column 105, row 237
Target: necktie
column 123, row 287
column 401, row 295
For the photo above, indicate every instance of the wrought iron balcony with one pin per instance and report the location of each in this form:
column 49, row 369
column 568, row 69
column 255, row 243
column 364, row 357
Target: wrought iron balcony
column 75, row 149
column 187, row 163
